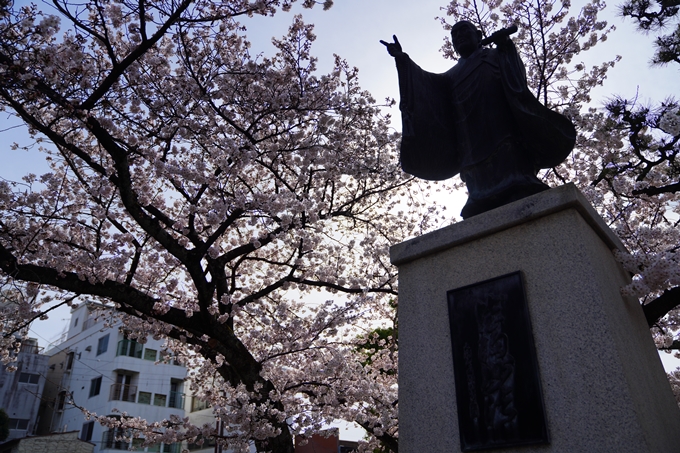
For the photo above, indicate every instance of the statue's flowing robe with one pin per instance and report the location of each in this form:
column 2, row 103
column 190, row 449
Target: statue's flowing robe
column 455, row 120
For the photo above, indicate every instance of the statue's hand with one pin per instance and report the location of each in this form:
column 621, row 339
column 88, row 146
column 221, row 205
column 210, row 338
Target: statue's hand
column 394, row 48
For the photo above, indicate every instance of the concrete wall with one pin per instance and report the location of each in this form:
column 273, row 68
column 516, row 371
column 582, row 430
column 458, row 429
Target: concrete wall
column 55, row 373
column 54, row 443
column 203, row 417
column 603, row 384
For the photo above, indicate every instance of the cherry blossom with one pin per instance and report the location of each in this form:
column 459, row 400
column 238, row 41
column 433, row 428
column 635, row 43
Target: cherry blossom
column 240, row 206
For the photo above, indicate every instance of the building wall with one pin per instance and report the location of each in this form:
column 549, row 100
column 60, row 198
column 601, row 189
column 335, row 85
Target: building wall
column 200, row 415
column 20, row 391
column 320, row 443
column 55, row 373
column 100, row 375
column 317, row 444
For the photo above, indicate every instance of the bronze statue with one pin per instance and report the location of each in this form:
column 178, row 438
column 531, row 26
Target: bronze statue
column 478, row 119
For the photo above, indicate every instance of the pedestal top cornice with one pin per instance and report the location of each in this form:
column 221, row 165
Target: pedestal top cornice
column 505, row 217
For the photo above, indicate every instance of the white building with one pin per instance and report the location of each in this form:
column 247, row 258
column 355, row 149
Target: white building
column 200, row 414
column 103, row 371
column 20, row 391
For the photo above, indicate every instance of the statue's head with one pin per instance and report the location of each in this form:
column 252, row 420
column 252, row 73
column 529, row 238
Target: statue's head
column 465, row 38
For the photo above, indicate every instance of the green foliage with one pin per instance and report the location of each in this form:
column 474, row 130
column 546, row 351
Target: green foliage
column 657, row 16
column 378, row 341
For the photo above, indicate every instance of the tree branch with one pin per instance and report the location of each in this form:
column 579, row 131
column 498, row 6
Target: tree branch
column 670, row 188
column 116, row 292
column 675, row 346
column 133, row 56
column 659, row 307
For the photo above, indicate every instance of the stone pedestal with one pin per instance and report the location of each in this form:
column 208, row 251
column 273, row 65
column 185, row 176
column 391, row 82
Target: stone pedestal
column 603, row 385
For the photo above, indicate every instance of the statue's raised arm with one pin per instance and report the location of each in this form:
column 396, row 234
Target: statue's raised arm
column 479, row 119
column 394, row 48
column 500, row 36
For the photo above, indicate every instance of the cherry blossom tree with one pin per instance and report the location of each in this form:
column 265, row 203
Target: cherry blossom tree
column 645, row 173
column 206, row 194
column 640, row 185
column 550, row 40
column 631, row 175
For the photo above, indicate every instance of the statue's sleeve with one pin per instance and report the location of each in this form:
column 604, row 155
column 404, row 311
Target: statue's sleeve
column 549, row 135
column 428, row 146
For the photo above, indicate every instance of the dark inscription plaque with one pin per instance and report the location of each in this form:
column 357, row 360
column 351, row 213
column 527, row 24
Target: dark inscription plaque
column 498, row 391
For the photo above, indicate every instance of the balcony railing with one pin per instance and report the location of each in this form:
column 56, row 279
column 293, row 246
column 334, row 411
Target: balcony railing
column 62, row 337
column 109, row 441
column 176, row 400
column 172, row 448
column 89, row 323
column 129, row 348
column 123, row 392
column 30, row 347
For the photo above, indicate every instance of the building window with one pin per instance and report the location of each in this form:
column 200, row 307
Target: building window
column 176, row 396
column 75, row 323
column 198, row 405
column 114, row 440
column 103, row 344
column 123, row 390
column 29, row 378
column 95, row 386
column 159, row 400
column 144, row 398
column 90, row 321
column 18, row 423
column 61, row 399
column 129, row 348
column 86, row 433
column 69, row 360
column 150, row 354
column 172, row 448
column 29, row 346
